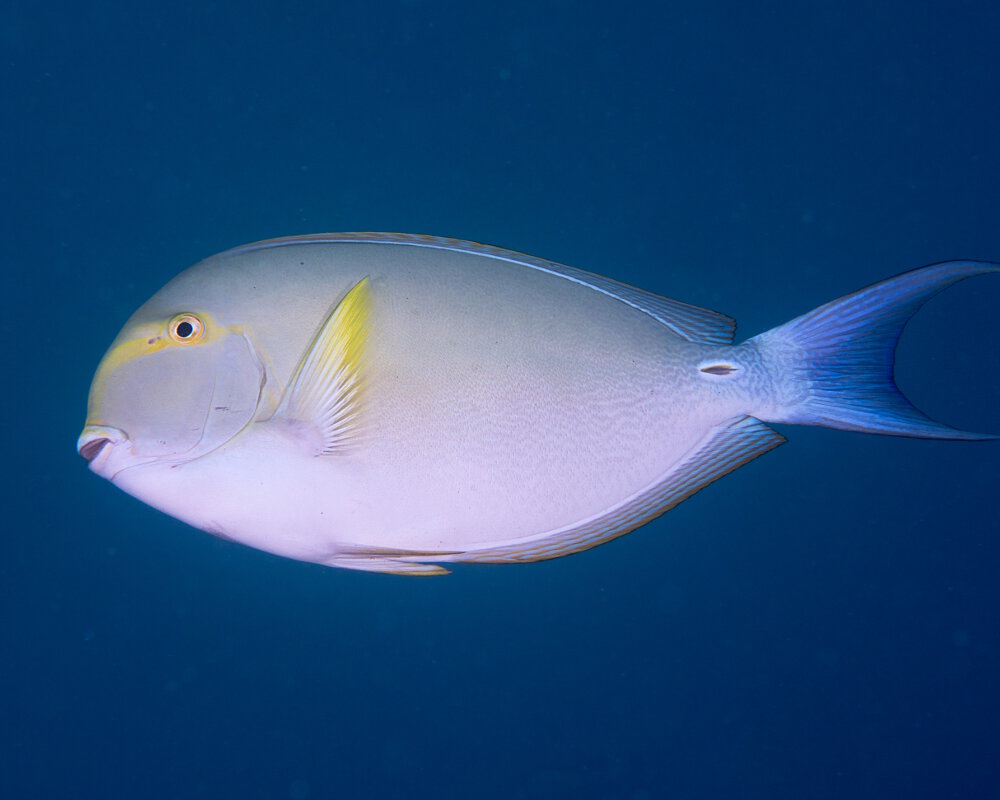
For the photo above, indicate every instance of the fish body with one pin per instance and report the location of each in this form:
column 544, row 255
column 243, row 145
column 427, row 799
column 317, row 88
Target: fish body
column 390, row 402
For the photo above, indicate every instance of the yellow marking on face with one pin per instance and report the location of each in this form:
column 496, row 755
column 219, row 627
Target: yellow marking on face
column 147, row 340
column 155, row 336
column 150, row 338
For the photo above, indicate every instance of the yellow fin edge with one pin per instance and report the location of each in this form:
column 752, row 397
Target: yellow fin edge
column 326, row 391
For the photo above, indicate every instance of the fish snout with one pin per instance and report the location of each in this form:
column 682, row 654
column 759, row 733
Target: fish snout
column 96, row 443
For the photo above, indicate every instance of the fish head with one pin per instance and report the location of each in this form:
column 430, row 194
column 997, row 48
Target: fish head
column 177, row 383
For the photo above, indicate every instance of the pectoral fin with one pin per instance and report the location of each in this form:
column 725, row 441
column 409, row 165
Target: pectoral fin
column 326, row 393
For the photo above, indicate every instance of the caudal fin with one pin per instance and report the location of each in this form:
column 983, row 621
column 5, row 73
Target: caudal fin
column 835, row 364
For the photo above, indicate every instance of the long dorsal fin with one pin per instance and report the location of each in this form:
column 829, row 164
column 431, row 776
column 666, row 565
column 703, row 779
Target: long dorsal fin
column 693, row 323
column 326, row 391
column 721, row 451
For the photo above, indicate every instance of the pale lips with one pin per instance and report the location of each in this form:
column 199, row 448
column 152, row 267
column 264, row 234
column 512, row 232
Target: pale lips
column 96, row 440
column 90, row 450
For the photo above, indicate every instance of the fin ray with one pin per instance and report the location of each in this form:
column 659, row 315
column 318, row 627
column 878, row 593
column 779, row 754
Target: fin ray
column 325, row 392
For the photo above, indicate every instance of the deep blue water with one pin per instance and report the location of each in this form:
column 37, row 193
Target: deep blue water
column 822, row 623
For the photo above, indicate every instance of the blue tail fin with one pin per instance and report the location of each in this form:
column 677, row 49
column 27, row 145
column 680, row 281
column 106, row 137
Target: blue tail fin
column 834, row 366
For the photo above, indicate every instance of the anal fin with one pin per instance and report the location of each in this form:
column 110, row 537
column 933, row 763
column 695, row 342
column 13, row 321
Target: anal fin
column 719, row 452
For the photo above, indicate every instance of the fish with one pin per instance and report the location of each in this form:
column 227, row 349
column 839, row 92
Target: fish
column 397, row 403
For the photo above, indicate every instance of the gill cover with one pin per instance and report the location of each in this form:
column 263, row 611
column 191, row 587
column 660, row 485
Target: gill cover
column 175, row 390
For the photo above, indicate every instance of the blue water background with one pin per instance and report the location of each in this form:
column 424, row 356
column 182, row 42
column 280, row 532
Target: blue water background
column 823, row 623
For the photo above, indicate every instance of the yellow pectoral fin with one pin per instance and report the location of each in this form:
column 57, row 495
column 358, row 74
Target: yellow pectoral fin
column 326, row 391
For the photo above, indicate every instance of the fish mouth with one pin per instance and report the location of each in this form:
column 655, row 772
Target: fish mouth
column 90, row 450
column 96, row 443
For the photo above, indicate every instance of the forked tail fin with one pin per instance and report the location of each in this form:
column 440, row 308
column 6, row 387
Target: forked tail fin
column 834, row 366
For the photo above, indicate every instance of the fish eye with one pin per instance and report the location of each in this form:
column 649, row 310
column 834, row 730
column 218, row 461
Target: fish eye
column 186, row 329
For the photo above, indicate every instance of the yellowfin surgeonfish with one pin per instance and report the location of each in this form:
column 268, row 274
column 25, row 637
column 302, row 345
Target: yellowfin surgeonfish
column 392, row 402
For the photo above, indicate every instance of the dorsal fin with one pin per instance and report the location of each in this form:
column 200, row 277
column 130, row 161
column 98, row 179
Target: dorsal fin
column 693, row 323
column 325, row 393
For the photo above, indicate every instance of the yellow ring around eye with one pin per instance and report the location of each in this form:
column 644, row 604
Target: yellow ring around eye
column 186, row 329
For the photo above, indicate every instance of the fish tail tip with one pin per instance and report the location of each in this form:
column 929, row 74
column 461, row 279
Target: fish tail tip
column 837, row 361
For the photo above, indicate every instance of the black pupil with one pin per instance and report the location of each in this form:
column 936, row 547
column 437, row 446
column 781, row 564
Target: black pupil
column 184, row 329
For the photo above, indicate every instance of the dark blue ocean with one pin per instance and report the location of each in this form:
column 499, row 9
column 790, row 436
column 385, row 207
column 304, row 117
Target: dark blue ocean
column 822, row 623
